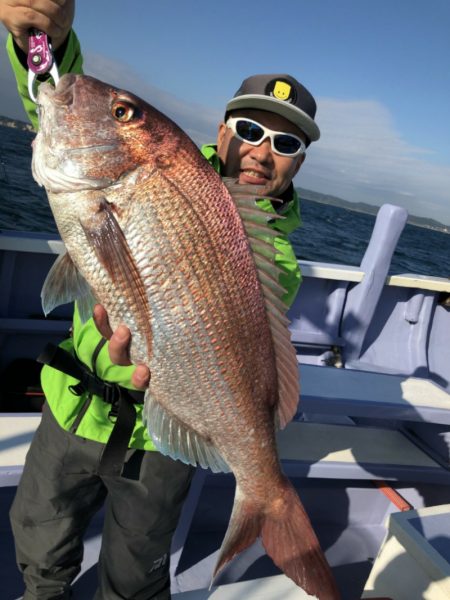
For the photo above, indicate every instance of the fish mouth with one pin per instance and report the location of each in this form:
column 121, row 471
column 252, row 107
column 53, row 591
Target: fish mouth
column 61, row 95
column 57, row 181
column 57, row 165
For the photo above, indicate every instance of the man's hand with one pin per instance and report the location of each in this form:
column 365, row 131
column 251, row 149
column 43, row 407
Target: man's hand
column 118, row 346
column 53, row 17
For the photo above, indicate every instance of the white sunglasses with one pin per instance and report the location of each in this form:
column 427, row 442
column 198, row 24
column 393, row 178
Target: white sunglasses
column 252, row 132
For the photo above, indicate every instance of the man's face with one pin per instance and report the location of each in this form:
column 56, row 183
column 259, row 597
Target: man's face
column 259, row 165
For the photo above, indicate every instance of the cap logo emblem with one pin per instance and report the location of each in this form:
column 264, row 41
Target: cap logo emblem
column 281, row 90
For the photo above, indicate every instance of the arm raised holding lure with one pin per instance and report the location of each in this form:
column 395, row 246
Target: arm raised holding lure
column 55, row 18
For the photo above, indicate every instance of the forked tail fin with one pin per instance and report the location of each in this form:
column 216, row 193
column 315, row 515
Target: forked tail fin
column 287, row 536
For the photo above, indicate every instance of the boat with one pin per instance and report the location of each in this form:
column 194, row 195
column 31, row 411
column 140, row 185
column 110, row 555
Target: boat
column 370, row 442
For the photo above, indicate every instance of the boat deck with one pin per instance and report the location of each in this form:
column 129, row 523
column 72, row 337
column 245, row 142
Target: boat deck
column 333, row 467
column 369, row 438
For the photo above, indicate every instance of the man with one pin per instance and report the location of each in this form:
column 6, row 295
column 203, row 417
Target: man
column 267, row 125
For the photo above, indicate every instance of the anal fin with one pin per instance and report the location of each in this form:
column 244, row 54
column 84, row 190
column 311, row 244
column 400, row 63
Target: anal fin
column 173, row 438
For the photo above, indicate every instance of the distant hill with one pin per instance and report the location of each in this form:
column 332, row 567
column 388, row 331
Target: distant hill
column 367, row 208
column 14, row 124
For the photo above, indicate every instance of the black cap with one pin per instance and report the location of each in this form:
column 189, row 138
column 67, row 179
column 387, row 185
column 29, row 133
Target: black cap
column 280, row 94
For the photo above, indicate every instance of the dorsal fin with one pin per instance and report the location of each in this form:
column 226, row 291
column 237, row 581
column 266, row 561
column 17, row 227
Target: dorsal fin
column 259, row 232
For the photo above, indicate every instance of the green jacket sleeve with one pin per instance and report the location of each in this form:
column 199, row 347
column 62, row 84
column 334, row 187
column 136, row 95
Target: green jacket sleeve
column 72, row 62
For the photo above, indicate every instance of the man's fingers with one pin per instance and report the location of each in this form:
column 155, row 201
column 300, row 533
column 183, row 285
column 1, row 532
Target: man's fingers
column 141, row 377
column 54, row 17
column 24, row 18
column 119, row 346
column 119, row 340
column 102, row 322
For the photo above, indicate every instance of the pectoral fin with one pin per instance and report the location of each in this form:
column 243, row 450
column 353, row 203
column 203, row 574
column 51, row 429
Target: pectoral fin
column 107, row 239
column 65, row 284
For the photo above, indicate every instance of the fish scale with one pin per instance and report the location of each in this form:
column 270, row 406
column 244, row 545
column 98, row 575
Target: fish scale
column 189, row 365
column 188, row 266
column 202, row 280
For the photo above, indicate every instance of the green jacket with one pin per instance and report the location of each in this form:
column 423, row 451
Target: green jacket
column 85, row 416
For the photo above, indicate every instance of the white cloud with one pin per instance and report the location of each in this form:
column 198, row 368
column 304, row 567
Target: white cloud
column 199, row 122
column 362, row 157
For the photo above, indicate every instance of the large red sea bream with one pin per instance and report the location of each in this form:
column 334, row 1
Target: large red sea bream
column 182, row 260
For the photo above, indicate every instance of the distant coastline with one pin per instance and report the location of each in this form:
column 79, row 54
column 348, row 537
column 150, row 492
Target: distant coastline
column 303, row 193
column 367, row 209
column 14, row 124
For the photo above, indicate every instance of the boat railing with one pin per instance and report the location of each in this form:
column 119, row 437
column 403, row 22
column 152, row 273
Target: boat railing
column 358, row 317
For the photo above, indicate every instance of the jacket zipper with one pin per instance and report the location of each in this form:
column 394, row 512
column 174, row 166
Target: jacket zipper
column 81, row 414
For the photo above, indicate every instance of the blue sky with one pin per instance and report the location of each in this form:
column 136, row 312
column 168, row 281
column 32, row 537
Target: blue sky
column 379, row 71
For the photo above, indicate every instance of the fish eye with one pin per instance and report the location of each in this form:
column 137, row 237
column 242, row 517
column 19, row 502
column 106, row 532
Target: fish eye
column 123, row 111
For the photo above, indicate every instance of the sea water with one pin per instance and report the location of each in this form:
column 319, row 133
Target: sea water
column 329, row 233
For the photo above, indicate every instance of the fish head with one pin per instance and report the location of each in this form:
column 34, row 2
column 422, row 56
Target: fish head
column 91, row 134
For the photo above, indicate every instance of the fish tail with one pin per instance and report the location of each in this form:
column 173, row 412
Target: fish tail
column 243, row 529
column 290, row 541
column 287, row 536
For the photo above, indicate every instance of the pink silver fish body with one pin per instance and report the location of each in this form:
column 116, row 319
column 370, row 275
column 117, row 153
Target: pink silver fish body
column 168, row 251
